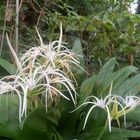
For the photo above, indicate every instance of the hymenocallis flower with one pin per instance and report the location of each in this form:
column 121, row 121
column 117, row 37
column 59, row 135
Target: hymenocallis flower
column 48, row 82
column 128, row 104
column 98, row 102
column 57, row 76
column 42, row 70
column 131, row 102
column 55, row 54
column 115, row 106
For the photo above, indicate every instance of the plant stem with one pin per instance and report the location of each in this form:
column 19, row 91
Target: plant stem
column 17, row 24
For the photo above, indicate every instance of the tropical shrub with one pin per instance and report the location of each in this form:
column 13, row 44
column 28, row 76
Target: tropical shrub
column 39, row 100
column 76, row 91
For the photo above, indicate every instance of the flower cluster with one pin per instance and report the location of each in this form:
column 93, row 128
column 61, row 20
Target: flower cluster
column 44, row 70
column 115, row 106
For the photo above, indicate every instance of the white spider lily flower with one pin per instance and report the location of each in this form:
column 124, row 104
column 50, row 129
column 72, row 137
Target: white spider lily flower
column 24, row 105
column 55, row 54
column 33, row 55
column 131, row 102
column 118, row 109
column 21, row 83
column 55, row 76
column 96, row 102
column 27, row 83
column 30, row 79
column 50, row 55
column 127, row 104
column 101, row 103
column 47, row 79
column 44, row 69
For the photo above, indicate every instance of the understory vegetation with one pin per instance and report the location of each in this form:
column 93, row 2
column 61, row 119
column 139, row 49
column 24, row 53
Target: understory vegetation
column 69, row 70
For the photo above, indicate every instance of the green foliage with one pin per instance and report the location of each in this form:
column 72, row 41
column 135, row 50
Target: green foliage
column 97, row 31
column 7, row 66
column 99, row 85
column 59, row 124
column 77, row 48
column 105, row 28
column 40, row 125
column 114, row 135
column 101, row 82
column 9, row 123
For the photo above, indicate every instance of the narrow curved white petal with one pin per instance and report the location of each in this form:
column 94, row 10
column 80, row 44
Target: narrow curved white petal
column 85, row 122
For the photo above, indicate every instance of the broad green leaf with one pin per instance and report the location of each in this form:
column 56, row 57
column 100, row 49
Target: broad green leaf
column 103, row 76
column 77, row 48
column 115, row 134
column 119, row 77
column 9, row 121
column 87, row 87
column 41, row 125
column 134, row 116
column 68, row 121
column 129, row 87
column 106, row 70
column 7, row 66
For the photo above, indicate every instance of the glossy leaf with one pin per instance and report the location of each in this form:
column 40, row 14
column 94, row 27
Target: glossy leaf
column 7, row 66
column 41, row 125
column 116, row 134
